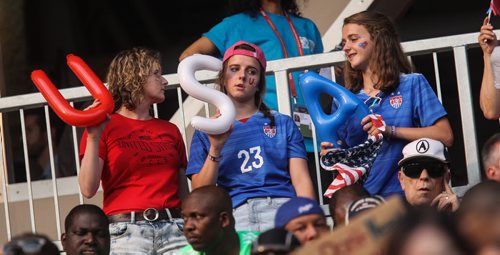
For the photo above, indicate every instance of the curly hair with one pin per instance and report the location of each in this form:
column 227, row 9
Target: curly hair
column 252, row 7
column 388, row 60
column 128, row 73
column 259, row 95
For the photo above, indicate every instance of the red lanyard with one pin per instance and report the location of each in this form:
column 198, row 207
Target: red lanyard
column 275, row 30
column 283, row 46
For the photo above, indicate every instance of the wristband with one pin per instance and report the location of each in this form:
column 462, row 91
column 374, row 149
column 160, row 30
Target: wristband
column 215, row 158
column 393, row 132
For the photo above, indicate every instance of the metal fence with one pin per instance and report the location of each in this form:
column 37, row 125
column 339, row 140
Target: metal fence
column 58, row 188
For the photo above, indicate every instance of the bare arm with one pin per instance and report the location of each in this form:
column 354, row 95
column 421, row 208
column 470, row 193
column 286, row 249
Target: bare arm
column 210, row 170
column 441, row 131
column 91, row 168
column 92, row 165
column 201, row 46
column 489, row 97
column 207, row 175
column 301, row 180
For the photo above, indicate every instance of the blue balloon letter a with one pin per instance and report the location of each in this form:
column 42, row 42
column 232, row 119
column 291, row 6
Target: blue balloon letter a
column 312, row 84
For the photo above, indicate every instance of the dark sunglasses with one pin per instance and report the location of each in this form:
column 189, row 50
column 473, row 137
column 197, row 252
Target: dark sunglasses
column 414, row 170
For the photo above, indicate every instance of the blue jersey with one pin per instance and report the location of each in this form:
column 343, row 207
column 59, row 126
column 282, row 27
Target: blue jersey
column 255, row 158
column 256, row 30
column 412, row 104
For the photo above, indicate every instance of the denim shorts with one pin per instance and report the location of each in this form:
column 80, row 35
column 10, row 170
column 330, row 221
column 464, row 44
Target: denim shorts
column 257, row 214
column 143, row 237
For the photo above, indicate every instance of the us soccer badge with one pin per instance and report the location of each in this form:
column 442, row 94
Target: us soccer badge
column 396, row 101
column 269, row 131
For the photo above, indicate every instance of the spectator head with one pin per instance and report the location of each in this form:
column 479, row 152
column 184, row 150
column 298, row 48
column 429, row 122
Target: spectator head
column 381, row 48
column 250, row 50
column 423, row 231
column 86, row 231
column 128, row 73
column 423, row 171
column 253, row 7
column 303, row 217
column 30, row 244
column 479, row 215
column 37, row 142
column 490, row 155
column 208, row 218
column 361, row 205
column 36, row 133
column 341, row 199
column 490, row 250
column 276, row 241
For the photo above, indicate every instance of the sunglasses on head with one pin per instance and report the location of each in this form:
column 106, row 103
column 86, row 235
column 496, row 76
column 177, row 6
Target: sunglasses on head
column 414, row 170
column 373, row 102
column 27, row 245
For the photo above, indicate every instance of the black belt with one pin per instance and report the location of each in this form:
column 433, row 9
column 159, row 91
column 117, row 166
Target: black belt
column 150, row 215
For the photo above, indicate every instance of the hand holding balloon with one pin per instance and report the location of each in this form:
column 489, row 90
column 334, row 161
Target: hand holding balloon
column 186, row 70
column 62, row 108
column 326, row 125
column 94, row 132
column 217, row 141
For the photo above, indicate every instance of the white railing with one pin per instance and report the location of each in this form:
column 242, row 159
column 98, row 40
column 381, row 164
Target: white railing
column 58, row 188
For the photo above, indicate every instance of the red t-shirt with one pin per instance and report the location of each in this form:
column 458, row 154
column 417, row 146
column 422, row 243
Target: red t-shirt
column 141, row 164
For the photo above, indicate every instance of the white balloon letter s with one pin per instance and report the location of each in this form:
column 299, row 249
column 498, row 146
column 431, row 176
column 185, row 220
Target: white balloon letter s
column 186, row 70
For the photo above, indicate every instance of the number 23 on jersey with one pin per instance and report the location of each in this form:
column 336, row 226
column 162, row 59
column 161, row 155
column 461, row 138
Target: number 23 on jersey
column 251, row 159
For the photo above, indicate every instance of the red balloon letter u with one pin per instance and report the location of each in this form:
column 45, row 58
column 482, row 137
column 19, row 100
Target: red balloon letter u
column 62, row 108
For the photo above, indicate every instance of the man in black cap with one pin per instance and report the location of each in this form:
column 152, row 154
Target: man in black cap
column 276, row 241
column 424, row 175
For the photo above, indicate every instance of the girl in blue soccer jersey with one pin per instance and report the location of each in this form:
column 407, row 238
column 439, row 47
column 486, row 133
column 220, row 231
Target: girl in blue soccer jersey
column 378, row 72
column 261, row 161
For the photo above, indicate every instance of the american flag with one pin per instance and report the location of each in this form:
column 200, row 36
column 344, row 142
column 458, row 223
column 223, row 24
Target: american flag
column 352, row 164
column 494, row 7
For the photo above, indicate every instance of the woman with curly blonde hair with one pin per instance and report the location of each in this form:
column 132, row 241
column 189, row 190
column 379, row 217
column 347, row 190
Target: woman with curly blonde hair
column 139, row 159
column 378, row 72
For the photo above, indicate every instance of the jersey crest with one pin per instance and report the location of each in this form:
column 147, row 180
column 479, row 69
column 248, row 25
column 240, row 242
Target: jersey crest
column 270, row 132
column 396, row 101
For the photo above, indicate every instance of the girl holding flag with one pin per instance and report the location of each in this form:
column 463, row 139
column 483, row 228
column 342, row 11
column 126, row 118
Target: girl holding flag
column 378, row 72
